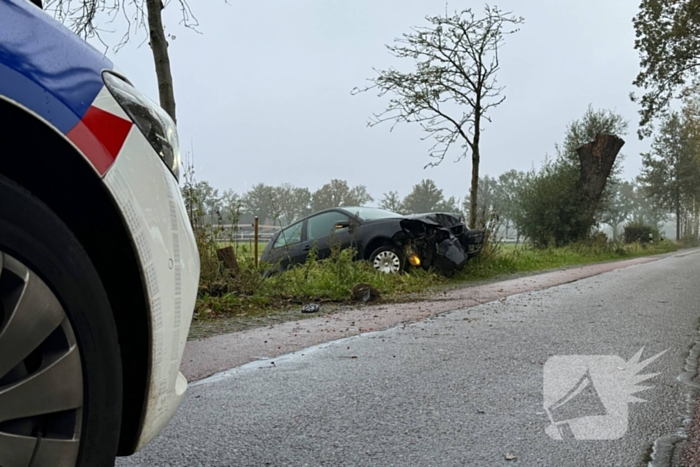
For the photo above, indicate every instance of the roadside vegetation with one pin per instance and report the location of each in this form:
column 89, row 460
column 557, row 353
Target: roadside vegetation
column 556, row 213
column 554, row 224
column 448, row 87
column 333, row 281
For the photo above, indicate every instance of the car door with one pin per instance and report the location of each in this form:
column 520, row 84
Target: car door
column 288, row 246
column 328, row 230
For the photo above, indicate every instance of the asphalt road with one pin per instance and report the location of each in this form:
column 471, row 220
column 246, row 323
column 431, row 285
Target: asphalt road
column 464, row 388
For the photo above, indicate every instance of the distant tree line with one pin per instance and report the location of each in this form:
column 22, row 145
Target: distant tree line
column 283, row 204
column 541, row 205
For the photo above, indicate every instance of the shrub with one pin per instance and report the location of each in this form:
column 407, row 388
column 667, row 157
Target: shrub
column 599, row 239
column 689, row 241
column 637, row 232
column 549, row 209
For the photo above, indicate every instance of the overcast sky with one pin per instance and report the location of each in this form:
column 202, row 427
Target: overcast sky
column 263, row 93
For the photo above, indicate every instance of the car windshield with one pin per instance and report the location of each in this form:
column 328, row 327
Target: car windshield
column 370, row 214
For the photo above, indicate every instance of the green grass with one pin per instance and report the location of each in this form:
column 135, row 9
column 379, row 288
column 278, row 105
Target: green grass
column 527, row 259
column 332, row 280
column 512, row 246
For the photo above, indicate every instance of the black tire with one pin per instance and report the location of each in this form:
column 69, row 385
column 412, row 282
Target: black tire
column 33, row 235
column 389, row 249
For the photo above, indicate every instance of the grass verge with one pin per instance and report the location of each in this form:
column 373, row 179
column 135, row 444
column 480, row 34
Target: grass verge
column 332, row 280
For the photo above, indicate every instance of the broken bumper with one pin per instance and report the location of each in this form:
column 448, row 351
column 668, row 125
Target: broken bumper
column 451, row 256
column 472, row 241
column 446, row 249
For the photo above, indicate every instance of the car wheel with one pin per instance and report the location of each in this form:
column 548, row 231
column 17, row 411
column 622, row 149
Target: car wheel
column 387, row 259
column 60, row 369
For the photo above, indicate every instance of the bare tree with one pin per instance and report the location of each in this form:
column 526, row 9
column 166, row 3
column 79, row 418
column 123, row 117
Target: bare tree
column 453, row 85
column 85, row 16
column 161, row 58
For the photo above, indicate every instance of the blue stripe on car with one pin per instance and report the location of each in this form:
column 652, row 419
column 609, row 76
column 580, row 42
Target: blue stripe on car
column 45, row 67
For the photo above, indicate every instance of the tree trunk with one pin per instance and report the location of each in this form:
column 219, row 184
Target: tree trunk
column 159, row 47
column 476, row 158
column 678, row 213
column 597, row 160
column 473, row 192
column 696, row 220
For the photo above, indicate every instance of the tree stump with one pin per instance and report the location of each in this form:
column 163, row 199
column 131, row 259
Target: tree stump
column 227, row 256
column 597, row 160
column 364, row 293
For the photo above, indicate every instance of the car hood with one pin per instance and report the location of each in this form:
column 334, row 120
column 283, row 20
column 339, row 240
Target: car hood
column 442, row 219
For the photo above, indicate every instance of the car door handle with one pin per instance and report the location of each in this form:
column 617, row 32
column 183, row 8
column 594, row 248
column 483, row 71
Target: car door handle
column 306, row 248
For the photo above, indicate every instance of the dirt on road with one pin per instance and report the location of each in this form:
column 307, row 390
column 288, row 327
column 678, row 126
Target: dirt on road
column 206, row 356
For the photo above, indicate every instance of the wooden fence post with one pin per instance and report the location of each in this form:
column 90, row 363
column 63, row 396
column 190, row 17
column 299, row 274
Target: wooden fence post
column 255, row 239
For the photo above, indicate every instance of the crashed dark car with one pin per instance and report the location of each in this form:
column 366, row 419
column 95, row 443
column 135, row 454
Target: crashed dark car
column 391, row 242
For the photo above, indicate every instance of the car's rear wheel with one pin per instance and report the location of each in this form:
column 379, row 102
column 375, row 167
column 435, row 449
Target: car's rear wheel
column 387, row 259
column 60, row 370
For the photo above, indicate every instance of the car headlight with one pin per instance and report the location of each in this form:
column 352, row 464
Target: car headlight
column 154, row 122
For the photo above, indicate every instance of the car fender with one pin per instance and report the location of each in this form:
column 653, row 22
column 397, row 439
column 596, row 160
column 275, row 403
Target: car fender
column 372, row 235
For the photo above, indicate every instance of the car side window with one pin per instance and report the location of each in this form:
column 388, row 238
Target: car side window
column 324, row 224
column 289, row 236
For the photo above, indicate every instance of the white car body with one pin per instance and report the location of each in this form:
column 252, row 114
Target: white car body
column 149, row 197
column 51, row 74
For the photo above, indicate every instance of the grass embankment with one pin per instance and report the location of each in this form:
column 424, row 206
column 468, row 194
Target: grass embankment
column 512, row 259
column 332, row 280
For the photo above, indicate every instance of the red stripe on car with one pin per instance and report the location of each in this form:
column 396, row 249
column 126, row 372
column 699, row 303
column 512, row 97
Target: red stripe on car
column 100, row 135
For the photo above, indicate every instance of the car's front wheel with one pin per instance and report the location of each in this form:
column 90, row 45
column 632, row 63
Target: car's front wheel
column 387, row 259
column 60, row 370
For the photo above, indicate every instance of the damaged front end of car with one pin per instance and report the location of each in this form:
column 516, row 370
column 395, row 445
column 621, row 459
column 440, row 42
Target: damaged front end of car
column 439, row 241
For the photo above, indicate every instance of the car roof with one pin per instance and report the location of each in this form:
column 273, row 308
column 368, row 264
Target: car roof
column 344, row 209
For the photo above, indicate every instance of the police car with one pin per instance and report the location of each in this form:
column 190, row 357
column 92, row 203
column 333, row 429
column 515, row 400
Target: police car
column 98, row 264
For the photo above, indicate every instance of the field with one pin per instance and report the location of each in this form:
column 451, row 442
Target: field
column 245, row 249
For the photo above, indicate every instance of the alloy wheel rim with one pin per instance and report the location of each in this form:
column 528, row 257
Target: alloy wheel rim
column 387, row 262
column 41, row 376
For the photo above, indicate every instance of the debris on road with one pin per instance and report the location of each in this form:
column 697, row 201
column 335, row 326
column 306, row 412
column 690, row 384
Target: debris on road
column 311, row 308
